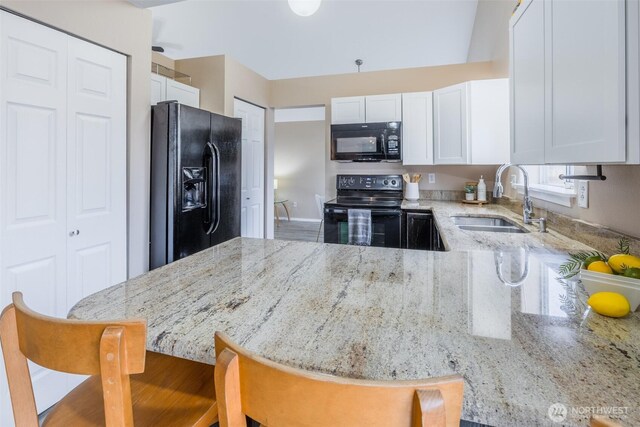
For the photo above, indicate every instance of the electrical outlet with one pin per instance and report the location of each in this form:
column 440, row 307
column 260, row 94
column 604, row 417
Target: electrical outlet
column 583, row 194
column 295, row 204
column 432, row 178
column 514, row 179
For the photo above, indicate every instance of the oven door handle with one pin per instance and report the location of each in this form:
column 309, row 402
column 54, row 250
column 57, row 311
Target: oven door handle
column 373, row 211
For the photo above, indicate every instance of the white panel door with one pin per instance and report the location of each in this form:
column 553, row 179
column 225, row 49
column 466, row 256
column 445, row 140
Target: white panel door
column 33, row 87
column 347, row 110
column 450, row 125
column 586, row 54
column 184, row 94
column 383, row 108
column 96, row 169
column 417, row 128
column 527, row 83
column 252, row 186
column 158, row 88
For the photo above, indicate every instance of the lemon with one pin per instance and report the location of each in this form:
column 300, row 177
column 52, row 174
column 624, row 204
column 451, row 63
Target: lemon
column 591, row 259
column 609, row 304
column 618, row 262
column 600, row 266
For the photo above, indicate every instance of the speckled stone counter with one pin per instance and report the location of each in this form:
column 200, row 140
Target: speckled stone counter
column 379, row 313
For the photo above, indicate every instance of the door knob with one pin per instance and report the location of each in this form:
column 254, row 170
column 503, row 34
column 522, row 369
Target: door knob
column 74, row 233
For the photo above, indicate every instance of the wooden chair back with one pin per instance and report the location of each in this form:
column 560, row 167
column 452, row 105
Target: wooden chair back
column 276, row 395
column 111, row 349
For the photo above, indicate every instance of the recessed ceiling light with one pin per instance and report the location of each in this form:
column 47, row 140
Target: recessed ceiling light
column 304, row 7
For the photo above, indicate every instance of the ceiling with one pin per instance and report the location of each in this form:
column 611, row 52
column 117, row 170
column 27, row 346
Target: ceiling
column 266, row 36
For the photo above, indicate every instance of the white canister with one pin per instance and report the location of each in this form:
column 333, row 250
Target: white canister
column 411, row 191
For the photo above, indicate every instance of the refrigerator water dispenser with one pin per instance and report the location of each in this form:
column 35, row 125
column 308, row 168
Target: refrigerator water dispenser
column 194, row 186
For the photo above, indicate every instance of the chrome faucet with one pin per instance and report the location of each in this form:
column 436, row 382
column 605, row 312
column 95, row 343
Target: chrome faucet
column 527, row 207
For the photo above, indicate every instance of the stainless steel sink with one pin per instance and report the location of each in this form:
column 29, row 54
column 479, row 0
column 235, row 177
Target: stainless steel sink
column 493, row 224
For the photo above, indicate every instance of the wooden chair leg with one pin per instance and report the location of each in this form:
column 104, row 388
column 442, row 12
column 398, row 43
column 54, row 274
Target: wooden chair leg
column 227, row 376
column 284, row 205
column 275, row 214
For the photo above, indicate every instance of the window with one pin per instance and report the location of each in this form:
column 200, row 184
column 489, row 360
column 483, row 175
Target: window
column 545, row 184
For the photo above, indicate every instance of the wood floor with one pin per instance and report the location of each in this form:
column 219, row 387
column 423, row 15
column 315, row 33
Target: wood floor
column 298, row 230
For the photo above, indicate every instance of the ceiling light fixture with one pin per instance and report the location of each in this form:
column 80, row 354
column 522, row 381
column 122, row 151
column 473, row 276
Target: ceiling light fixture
column 304, row 7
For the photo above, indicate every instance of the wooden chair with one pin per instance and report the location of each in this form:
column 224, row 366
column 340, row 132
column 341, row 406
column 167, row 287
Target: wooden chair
column 121, row 391
column 600, row 421
column 276, row 395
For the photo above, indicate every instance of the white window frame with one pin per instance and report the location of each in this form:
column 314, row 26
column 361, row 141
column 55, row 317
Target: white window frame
column 541, row 190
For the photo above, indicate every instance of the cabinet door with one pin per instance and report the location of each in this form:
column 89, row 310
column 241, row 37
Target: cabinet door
column 184, row 94
column 488, row 121
column 586, row 109
column 158, row 88
column 33, row 90
column 417, row 128
column 383, row 108
column 450, row 125
column 347, row 110
column 527, row 106
column 96, row 169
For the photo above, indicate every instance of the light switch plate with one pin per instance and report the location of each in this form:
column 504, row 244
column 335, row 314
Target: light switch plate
column 583, row 194
column 432, row 178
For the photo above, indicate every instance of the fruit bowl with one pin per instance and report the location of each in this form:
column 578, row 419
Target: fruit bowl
column 595, row 282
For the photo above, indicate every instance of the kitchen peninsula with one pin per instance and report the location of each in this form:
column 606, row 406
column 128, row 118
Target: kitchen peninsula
column 494, row 313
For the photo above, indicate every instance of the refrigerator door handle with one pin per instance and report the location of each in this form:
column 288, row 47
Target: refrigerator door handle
column 215, row 157
column 210, row 165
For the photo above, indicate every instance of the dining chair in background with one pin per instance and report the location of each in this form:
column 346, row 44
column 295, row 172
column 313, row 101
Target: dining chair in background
column 320, row 205
column 277, row 395
column 128, row 385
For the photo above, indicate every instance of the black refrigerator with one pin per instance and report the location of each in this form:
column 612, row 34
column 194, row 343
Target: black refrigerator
column 195, row 181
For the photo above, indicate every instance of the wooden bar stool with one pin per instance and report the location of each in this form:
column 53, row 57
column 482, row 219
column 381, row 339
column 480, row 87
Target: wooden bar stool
column 276, row 395
column 122, row 390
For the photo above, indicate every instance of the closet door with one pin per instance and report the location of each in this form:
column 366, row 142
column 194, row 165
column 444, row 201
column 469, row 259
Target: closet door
column 33, row 220
column 96, row 169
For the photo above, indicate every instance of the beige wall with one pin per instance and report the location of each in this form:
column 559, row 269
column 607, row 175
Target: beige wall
column 614, row 203
column 298, row 165
column 246, row 84
column 207, row 74
column 165, row 61
column 320, row 90
column 123, row 27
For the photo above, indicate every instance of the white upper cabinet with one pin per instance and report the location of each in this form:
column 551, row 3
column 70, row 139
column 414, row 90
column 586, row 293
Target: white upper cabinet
column 471, row 123
column 165, row 89
column 571, row 57
column 633, row 81
column 527, row 83
column 158, row 88
column 450, row 125
column 184, row 94
column 366, row 109
column 383, row 108
column 417, row 128
column 347, row 110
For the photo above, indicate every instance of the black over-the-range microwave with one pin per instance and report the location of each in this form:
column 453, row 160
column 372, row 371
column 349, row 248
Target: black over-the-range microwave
column 367, row 142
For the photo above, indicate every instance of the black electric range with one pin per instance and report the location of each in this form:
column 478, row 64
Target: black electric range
column 381, row 194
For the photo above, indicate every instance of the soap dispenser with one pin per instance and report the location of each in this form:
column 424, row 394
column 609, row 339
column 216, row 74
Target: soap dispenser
column 482, row 190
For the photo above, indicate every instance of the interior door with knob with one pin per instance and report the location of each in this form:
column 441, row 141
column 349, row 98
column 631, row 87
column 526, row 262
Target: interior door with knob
column 33, row 227
column 96, row 169
column 252, row 189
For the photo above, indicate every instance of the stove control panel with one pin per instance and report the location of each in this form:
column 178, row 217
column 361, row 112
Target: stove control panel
column 369, row 182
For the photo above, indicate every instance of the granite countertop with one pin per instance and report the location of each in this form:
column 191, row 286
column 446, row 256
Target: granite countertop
column 385, row 314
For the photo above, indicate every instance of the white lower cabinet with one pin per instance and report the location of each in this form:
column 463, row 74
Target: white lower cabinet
column 471, row 123
column 166, row 89
column 417, row 128
column 62, row 177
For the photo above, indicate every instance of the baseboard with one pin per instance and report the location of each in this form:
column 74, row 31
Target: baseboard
column 284, row 218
